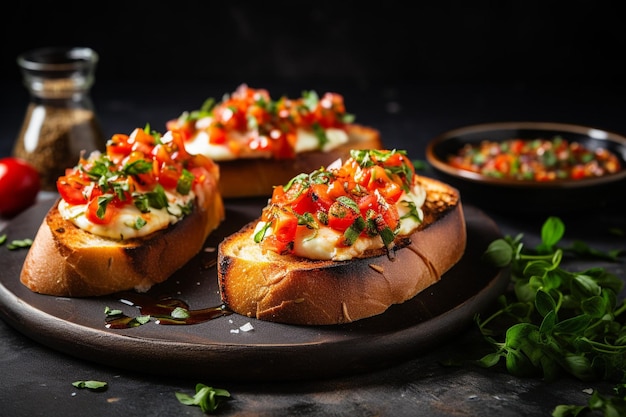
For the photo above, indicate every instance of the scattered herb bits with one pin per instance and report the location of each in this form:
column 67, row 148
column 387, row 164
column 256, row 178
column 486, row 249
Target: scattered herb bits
column 207, row 398
column 91, row 385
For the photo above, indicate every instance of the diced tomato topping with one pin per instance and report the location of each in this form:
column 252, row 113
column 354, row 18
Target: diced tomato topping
column 358, row 198
column 284, row 226
column 368, row 202
column 168, row 177
column 133, row 163
column 265, row 124
column 186, row 129
column 340, row 216
column 320, row 197
column 92, row 212
column 391, row 217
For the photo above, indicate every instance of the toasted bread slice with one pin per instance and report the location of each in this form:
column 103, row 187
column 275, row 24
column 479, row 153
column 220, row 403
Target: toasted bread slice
column 295, row 290
column 257, row 177
column 65, row 260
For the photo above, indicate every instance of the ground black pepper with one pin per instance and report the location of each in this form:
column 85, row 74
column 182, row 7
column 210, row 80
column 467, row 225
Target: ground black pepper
column 60, row 122
column 52, row 139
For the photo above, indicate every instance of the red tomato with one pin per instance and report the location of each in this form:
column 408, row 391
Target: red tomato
column 340, row 217
column 71, row 187
column 19, row 186
column 168, row 177
column 284, row 231
column 185, row 129
column 319, row 196
column 92, row 212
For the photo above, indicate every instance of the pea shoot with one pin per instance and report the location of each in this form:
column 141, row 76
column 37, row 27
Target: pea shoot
column 558, row 321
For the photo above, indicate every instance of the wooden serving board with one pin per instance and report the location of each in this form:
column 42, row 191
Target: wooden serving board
column 221, row 346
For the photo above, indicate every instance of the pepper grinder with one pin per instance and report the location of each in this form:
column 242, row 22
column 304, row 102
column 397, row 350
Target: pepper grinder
column 60, row 123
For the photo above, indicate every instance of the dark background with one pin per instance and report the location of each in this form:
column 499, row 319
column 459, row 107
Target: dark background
column 496, row 41
column 402, row 59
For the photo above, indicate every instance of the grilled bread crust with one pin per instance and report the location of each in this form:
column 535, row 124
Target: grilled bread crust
column 296, row 290
column 65, row 260
column 258, row 177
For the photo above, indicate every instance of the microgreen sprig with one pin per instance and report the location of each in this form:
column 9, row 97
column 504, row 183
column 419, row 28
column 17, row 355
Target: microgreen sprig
column 556, row 321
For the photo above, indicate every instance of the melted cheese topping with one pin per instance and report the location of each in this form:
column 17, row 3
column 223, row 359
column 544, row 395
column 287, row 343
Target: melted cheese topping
column 305, row 141
column 123, row 224
column 323, row 243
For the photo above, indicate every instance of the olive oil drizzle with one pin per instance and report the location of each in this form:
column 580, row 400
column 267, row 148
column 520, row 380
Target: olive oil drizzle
column 163, row 311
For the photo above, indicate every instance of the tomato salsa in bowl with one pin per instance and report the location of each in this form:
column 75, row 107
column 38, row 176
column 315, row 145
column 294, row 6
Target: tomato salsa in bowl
column 532, row 166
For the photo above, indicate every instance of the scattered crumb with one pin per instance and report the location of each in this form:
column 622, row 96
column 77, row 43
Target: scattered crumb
column 209, row 249
column 377, row 268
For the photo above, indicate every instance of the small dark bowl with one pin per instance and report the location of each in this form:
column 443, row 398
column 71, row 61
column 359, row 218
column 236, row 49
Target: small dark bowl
column 527, row 195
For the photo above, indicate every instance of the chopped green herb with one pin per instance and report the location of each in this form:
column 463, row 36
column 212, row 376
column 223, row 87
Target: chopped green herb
column 139, row 223
column 353, row 231
column 155, row 198
column 112, row 312
column 142, row 319
column 349, row 203
column 413, row 212
column 185, row 182
column 208, row 398
column 320, row 134
column 609, row 405
column 90, row 384
column 258, row 236
column 19, row 244
column 103, row 202
column 139, row 166
column 307, row 220
column 180, row 313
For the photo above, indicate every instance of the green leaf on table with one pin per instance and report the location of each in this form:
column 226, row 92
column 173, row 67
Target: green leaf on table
column 556, row 320
column 91, row 385
column 207, row 398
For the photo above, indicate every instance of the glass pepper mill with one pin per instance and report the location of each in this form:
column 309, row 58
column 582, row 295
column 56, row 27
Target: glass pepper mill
column 60, row 121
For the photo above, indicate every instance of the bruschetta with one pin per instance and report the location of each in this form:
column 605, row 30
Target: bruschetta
column 260, row 142
column 343, row 243
column 126, row 219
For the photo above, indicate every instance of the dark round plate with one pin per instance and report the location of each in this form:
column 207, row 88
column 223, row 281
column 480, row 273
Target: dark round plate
column 523, row 195
column 270, row 351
